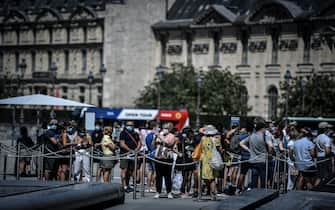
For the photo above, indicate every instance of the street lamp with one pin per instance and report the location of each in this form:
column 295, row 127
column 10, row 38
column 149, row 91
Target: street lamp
column 53, row 70
column 159, row 74
column 199, row 80
column 302, row 85
column 103, row 71
column 287, row 78
column 23, row 67
column 90, row 82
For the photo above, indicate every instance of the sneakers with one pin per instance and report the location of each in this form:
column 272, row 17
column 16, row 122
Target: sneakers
column 195, row 195
column 170, row 196
column 184, row 195
column 213, row 196
column 156, row 196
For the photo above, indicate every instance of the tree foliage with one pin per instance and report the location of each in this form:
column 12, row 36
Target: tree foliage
column 222, row 93
column 309, row 98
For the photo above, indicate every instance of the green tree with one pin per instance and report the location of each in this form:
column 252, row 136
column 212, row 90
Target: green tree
column 309, row 98
column 222, row 93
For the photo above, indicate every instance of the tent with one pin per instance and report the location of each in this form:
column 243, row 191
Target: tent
column 41, row 100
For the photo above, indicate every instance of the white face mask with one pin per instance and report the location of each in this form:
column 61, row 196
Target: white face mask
column 165, row 131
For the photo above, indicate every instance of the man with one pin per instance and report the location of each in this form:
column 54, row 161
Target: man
column 302, row 154
column 151, row 174
column 259, row 146
column 323, row 149
column 245, row 166
column 97, row 136
column 24, row 164
column 130, row 142
column 51, row 145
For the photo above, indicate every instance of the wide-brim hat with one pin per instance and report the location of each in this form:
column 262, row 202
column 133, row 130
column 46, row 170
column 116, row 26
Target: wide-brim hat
column 210, row 130
column 325, row 125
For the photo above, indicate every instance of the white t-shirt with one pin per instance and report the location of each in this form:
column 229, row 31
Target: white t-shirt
column 322, row 141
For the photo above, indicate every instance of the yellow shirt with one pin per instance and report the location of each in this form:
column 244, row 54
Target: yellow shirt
column 104, row 144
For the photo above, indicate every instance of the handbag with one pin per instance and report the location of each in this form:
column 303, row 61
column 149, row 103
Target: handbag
column 216, row 161
column 197, row 152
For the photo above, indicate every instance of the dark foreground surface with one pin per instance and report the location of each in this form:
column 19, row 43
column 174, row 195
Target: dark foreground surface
column 58, row 195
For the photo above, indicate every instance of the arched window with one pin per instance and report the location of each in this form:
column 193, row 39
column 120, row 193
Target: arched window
column 273, row 102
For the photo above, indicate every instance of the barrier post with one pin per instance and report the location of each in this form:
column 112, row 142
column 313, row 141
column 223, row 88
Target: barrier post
column 285, row 169
column 266, row 171
column 143, row 175
column 200, row 181
column 42, row 161
column 91, row 162
column 70, row 164
column 135, row 176
column 5, row 167
column 18, row 151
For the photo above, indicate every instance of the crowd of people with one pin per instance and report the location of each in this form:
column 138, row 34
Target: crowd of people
column 212, row 161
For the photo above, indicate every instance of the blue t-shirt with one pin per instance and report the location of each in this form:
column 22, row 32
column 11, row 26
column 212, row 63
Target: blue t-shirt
column 303, row 157
column 148, row 141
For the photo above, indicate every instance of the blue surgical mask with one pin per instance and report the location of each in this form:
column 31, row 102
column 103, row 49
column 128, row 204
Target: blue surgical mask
column 130, row 127
column 52, row 127
column 157, row 130
column 80, row 134
column 69, row 130
column 97, row 128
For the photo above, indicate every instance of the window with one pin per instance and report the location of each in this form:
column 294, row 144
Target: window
column 17, row 61
column 82, row 89
column 273, row 100
column 66, row 60
column 99, row 89
column 84, row 57
column 81, row 99
column 64, row 97
column 33, row 61
column 1, row 61
column 49, row 59
column 64, row 89
column 99, row 101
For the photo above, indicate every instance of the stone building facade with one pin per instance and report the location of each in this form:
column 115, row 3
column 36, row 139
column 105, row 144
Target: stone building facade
column 258, row 40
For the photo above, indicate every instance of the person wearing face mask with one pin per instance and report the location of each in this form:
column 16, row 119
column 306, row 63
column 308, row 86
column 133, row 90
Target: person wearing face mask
column 164, row 153
column 97, row 136
column 51, row 145
column 130, row 142
column 82, row 143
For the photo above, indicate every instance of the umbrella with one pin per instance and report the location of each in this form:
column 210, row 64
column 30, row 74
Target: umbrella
column 41, row 100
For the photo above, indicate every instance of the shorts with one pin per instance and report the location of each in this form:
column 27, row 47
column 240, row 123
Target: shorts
column 127, row 164
column 51, row 164
column 151, row 165
column 107, row 164
column 245, row 166
column 309, row 172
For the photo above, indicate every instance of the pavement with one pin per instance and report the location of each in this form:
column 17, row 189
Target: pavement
column 149, row 203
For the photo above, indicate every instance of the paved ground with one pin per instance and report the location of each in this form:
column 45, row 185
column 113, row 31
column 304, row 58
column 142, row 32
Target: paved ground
column 149, row 203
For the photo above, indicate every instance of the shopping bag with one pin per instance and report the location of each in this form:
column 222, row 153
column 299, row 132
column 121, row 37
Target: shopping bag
column 197, row 152
column 177, row 181
column 216, row 161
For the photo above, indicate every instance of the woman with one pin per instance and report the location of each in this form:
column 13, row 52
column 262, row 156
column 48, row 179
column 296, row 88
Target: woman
column 208, row 142
column 164, row 153
column 83, row 141
column 108, row 148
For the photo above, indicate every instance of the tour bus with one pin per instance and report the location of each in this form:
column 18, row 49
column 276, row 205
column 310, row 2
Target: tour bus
column 179, row 118
column 310, row 122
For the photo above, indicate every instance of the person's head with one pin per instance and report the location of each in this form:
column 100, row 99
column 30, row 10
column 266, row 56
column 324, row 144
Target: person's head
column 108, row 130
column 52, row 124
column 98, row 126
column 130, row 126
column 167, row 127
column 259, row 126
column 153, row 125
column 324, row 127
column 81, row 132
column 24, row 131
column 210, row 130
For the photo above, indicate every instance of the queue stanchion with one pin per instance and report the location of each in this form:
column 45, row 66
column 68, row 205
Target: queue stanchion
column 18, row 151
column 285, row 174
column 143, row 175
column 91, row 162
column 70, row 164
column 266, row 171
column 135, row 175
column 42, row 161
column 200, row 181
column 5, row 166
